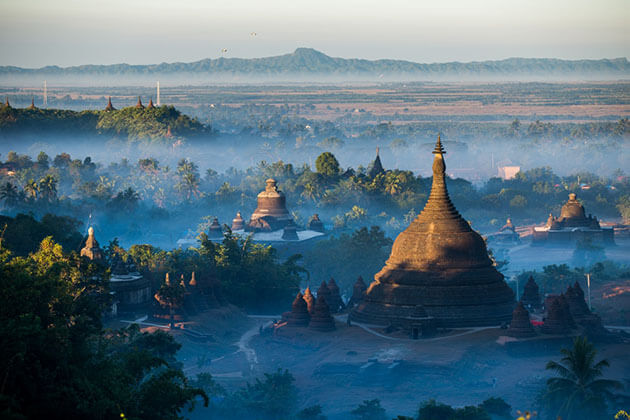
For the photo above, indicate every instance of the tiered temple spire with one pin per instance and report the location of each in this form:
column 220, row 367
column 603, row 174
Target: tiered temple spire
column 438, row 262
column 92, row 250
column 109, row 106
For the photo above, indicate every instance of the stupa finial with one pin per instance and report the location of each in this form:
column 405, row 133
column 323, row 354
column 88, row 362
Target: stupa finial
column 439, row 149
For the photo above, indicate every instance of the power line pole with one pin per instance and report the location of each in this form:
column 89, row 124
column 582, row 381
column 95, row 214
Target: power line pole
column 588, row 287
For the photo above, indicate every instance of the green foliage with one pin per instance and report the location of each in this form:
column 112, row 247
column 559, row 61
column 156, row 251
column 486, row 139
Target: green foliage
column 57, row 361
column 250, row 274
column 362, row 253
column 130, row 123
column 22, row 234
column 497, row 407
column 274, row 397
column 577, row 392
column 313, row 412
column 327, row 165
column 433, row 410
column 369, row 410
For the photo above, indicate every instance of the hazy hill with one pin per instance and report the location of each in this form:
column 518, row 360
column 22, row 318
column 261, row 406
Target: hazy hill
column 153, row 124
column 309, row 64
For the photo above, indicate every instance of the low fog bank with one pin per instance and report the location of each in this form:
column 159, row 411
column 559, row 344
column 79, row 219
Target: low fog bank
column 205, row 79
column 475, row 160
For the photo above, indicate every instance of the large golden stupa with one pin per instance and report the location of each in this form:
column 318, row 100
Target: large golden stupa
column 439, row 267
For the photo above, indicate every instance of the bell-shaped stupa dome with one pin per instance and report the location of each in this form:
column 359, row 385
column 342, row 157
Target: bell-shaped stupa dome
column 441, row 263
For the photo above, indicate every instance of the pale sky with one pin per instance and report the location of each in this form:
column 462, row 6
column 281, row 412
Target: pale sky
column 35, row 33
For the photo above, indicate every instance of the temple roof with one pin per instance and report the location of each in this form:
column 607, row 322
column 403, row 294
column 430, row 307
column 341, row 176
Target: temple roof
column 150, row 103
column 32, row 104
column 139, row 104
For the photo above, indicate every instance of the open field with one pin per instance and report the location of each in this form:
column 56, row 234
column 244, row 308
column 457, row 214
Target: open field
column 341, row 369
column 398, row 102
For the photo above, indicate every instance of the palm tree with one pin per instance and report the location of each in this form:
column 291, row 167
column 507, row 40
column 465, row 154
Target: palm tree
column 48, row 187
column 31, row 188
column 9, row 193
column 577, row 393
column 188, row 178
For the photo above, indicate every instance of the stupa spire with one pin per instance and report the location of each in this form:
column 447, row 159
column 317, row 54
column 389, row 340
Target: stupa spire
column 439, row 205
column 32, row 103
column 150, row 103
column 139, row 104
column 109, row 106
column 438, row 147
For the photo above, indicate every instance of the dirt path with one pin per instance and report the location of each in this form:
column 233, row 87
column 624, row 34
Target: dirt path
column 243, row 342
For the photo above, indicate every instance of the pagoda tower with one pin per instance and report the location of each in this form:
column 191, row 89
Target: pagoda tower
column 238, row 223
column 325, row 292
column 358, row 292
column 109, row 106
column 139, row 104
column 441, row 263
column 309, row 299
column 521, row 326
column 271, row 213
column 321, row 319
column 92, row 250
column 215, row 231
column 336, row 303
column 299, row 316
column 531, row 294
column 376, row 167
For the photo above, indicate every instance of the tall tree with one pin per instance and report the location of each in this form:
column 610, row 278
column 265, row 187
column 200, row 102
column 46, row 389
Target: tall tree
column 578, row 392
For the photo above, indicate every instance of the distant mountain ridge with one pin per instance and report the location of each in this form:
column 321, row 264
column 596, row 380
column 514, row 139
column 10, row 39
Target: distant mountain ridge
column 307, row 61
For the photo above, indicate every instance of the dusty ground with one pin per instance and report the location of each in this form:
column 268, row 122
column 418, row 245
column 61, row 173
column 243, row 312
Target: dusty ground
column 341, row 369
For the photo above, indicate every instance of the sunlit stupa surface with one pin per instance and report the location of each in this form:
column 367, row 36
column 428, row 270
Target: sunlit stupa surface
column 440, row 263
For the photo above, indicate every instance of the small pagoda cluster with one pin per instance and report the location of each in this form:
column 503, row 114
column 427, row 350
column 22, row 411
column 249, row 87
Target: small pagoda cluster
column 194, row 298
column 564, row 313
column 139, row 105
column 316, row 314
